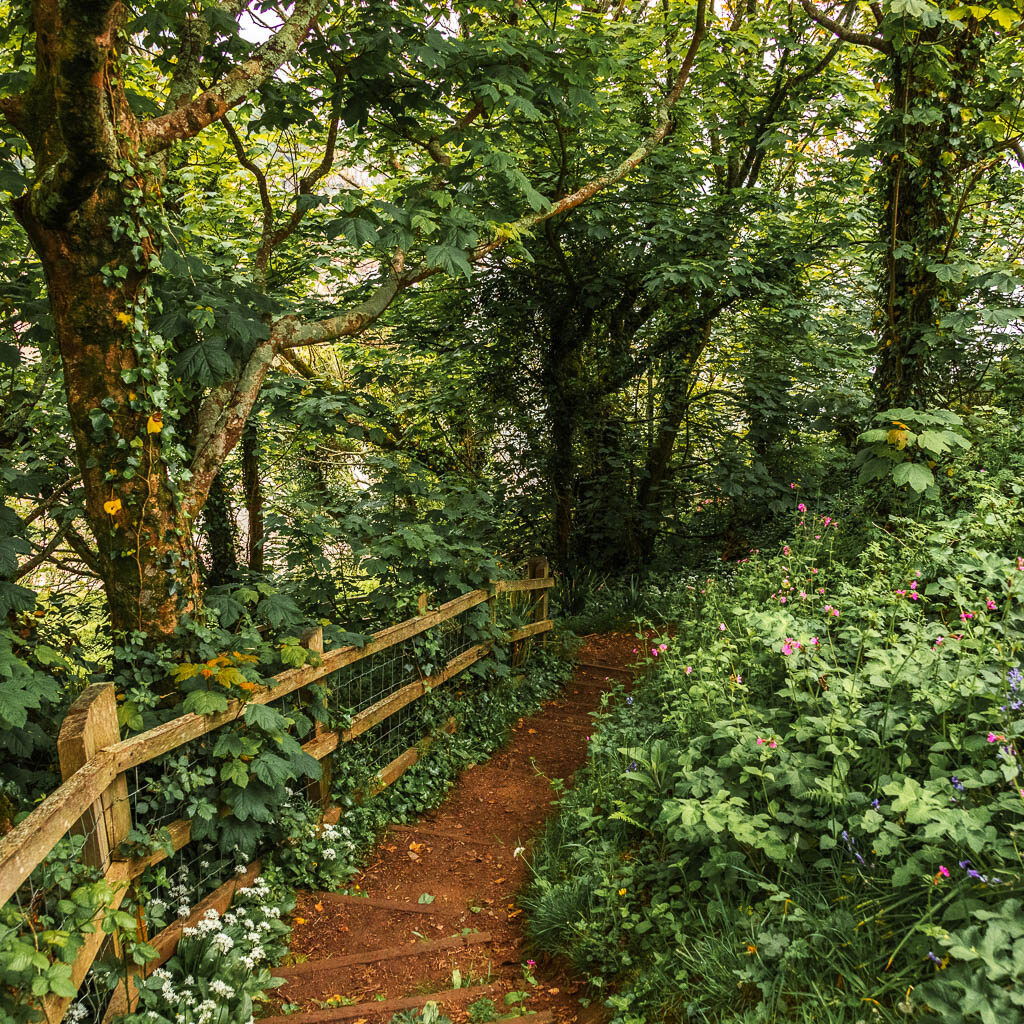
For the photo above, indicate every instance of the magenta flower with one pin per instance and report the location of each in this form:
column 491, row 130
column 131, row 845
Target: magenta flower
column 792, row 487
column 721, row 626
column 944, row 871
column 688, row 669
column 991, row 605
column 785, row 550
column 802, row 507
column 760, row 741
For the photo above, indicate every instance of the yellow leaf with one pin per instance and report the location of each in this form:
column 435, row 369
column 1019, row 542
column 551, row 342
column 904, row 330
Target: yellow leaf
column 155, row 423
column 112, row 507
column 897, row 438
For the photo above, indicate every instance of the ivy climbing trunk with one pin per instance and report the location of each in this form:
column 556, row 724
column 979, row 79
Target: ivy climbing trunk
column 144, row 545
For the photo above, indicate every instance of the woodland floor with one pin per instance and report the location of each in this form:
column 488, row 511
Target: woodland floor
column 379, row 950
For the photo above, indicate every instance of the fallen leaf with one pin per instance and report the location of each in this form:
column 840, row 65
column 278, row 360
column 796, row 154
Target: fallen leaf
column 155, row 423
column 319, row 907
column 413, row 856
column 498, row 881
column 112, row 507
column 553, row 991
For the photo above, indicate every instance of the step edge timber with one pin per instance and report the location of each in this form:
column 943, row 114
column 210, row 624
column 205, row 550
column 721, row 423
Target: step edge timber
column 388, row 1006
column 441, row 833
column 376, row 955
column 597, row 667
column 381, row 903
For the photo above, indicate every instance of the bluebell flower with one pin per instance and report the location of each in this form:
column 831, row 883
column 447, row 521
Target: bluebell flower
column 956, row 783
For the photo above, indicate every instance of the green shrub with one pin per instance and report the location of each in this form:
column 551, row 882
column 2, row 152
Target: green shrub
column 812, row 806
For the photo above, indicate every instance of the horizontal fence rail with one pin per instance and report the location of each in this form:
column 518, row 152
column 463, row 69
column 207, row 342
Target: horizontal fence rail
column 93, row 800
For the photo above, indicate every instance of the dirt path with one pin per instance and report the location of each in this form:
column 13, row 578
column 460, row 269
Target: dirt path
column 362, row 958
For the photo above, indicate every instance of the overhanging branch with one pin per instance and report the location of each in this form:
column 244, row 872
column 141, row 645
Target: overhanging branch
column 190, row 119
column 292, row 332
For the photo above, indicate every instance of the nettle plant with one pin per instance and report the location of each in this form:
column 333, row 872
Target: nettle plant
column 831, row 757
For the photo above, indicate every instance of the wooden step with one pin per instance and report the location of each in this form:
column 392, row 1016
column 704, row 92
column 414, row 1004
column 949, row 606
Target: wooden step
column 440, row 833
column 376, row 955
column 450, row 997
column 384, row 904
column 596, row 666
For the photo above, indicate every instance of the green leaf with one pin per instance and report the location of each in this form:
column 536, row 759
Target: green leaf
column 919, row 477
column 205, row 702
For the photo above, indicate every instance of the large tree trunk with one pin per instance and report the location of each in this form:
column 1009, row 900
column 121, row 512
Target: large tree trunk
column 146, row 555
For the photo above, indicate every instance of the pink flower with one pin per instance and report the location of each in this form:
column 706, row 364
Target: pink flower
column 739, row 679
column 814, row 641
column 531, row 963
column 802, row 507
column 721, row 626
column 773, row 744
column 991, row 605
column 944, row 871
column 654, row 651
column 821, row 590
column 688, row 669
column 634, row 650
column 913, row 584
column 787, row 648
column 785, row 550
column 662, row 647
column 782, row 600
column 914, row 595
column 827, row 520
column 792, row 487
column 814, row 571
column 992, row 737
column 759, row 741
column 817, row 536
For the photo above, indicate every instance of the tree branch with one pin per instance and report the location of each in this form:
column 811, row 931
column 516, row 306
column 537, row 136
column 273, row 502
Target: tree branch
column 221, row 418
column 190, row 119
column 292, row 332
column 844, row 33
column 42, row 553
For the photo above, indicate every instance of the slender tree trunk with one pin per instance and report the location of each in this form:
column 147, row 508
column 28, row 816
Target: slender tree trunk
column 650, row 495
column 221, row 533
column 252, row 485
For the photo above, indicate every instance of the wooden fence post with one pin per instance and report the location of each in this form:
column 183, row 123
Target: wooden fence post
column 318, row 791
column 538, row 568
column 90, row 725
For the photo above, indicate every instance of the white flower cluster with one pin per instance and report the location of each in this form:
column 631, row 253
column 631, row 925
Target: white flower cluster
column 243, row 933
column 77, row 1012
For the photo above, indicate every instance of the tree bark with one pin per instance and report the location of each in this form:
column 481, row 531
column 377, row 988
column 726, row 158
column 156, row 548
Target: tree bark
column 252, row 486
column 146, row 554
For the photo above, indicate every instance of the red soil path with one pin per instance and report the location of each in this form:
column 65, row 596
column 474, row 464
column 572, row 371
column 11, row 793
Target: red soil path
column 362, row 959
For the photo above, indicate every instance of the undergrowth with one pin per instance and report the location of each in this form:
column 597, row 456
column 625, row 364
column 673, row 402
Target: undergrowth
column 811, row 806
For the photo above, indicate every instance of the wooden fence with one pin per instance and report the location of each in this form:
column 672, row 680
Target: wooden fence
column 93, row 800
